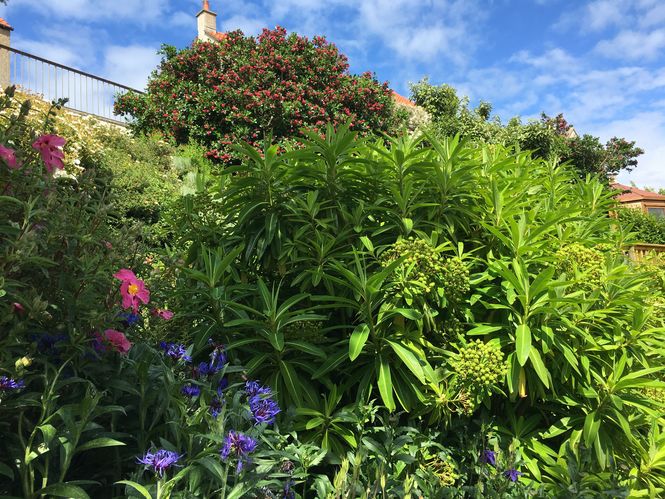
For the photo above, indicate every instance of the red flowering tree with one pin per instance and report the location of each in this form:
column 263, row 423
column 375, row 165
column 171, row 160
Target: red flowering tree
column 243, row 88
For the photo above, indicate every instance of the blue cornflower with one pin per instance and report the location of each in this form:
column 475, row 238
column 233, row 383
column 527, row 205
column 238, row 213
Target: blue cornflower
column 47, row 343
column 129, row 318
column 263, row 410
column 289, row 493
column 238, row 445
column 222, row 385
column 512, row 474
column 254, row 390
column 216, row 363
column 175, row 351
column 216, row 405
column 160, row 461
column 489, row 457
column 7, row 384
column 190, row 390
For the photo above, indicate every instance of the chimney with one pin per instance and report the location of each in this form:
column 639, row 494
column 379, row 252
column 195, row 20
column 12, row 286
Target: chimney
column 5, row 32
column 206, row 21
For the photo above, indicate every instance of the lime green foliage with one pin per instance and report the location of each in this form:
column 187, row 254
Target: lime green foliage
column 480, row 366
column 584, row 264
column 407, row 251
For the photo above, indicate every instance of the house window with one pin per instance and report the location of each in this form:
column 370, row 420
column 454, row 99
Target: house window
column 656, row 212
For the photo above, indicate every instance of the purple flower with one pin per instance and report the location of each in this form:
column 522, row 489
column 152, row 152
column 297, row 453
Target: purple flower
column 160, row 461
column 489, row 457
column 254, row 390
column 190, row 390
column 129, row 318
column 263, row 410
column 512, row 474
column 289, row 493
column 222, row 385
column 216, row 405
column 238, row 445
column 175, row 351
column 47, row 343
column 7, row 384
column 216, row 363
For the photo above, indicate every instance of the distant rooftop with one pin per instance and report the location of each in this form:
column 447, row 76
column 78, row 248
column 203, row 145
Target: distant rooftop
column 630, row 194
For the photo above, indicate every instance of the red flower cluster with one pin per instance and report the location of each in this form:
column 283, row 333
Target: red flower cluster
column 244, row 88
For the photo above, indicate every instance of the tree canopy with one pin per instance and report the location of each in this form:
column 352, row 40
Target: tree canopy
column 244, row 88
column 549, row 137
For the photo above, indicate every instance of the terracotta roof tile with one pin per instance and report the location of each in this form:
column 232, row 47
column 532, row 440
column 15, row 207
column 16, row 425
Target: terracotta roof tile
column 400, row 99
column 5, row 24
column 634, row 194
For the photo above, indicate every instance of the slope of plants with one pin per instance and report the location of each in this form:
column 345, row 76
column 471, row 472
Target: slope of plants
column 357, row 317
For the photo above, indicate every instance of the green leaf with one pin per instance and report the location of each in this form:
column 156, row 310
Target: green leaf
column 522, row 343
column 409, row 359
column 483, row 330
column 239, row 490
column 541, row 370
column 136, row 486
column 64, row 490
column 330, row 364
column 48, row 432
column 358, row 340
column 6, row 471
column 385, row 384
column 591, row 427
column 99, row 442
column 213, row 466
column 291, row 381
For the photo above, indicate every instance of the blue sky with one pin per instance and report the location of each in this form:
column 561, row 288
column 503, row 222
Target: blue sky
column 601, row 63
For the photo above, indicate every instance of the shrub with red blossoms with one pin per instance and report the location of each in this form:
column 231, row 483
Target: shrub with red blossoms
column 243, row 88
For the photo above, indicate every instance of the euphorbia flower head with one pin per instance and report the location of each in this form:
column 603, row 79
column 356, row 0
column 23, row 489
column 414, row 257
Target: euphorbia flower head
column 9, row 156
column 132, row 289
column 50, row 149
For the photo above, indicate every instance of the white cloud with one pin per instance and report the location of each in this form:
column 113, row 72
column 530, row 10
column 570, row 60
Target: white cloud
column 95, row 11
column 130, row 65
column 633, row 45
column 248, row 25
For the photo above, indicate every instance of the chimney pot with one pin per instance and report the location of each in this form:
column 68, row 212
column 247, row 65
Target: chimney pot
column 206, row 22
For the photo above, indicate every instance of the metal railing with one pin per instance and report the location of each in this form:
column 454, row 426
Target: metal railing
column 87, row 93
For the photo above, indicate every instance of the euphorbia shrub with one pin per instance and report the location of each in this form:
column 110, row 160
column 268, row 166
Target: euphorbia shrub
column 244, row 88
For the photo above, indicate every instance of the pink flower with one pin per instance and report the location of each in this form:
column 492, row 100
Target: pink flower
column 132, row 289
column 167, row 315
column 50, row 148
column 9, row 156
column 17, row 308
column 118, row 341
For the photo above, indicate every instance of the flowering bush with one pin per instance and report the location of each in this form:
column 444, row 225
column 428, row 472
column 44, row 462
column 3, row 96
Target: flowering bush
column 244, row 88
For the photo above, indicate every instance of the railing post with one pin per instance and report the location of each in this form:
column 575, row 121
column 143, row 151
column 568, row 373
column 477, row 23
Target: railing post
column 5, row 55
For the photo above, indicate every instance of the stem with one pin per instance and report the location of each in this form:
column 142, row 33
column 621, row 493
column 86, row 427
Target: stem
column 225, row 476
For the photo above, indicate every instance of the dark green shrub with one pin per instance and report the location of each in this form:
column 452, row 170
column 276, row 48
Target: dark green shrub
column 646, row 228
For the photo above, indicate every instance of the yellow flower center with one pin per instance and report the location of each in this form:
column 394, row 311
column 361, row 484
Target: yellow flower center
column 133, row 289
